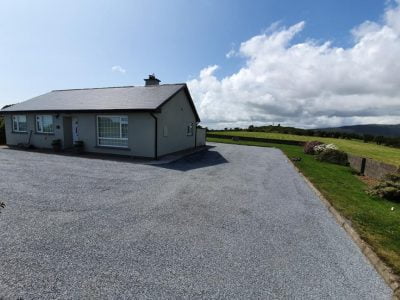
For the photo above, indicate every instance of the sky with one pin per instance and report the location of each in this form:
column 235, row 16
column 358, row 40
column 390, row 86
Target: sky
column 309, row 63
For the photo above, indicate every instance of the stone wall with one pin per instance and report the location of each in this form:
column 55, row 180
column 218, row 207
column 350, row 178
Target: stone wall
column 372, row 168
column 378, row 170
column 255, row 139
column 356, row 163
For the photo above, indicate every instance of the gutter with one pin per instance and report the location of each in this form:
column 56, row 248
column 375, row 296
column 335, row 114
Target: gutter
column 155, row 136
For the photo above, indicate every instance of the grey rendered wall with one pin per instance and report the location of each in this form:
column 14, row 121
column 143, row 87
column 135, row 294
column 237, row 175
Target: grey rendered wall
column 39, row 140
column 201, row 137
column 176, row 115
column 140, row 133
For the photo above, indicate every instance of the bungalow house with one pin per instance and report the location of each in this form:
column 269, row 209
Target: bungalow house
column 142, row 121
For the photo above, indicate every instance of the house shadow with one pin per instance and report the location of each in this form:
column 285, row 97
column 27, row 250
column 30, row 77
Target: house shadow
column 85, row 155
column 205, row 157
column 202, row 159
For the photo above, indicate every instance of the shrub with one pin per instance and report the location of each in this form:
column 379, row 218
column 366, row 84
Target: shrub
column 56, row 142
column 79, row 147
column 333, row 156
column 309, row 147
column 388, row 188
column 323, row 147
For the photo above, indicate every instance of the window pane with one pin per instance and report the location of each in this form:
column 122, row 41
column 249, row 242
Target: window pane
column 23, row 126
column 44, row 123
column 22, row 123
column 124, row 127
column 39, row 125
column 19, row 123
column 112, row 131
column 189, row 130
column 109, row 127
column 15, row 123
column 124, row 130
column 47, row 123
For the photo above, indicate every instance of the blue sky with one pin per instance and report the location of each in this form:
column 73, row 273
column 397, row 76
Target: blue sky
column 47, row 45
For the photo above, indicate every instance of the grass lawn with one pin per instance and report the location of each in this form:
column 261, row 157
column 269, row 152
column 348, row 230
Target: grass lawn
column 381, row 153
column 371, row 217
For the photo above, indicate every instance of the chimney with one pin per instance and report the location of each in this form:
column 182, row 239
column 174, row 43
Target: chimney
column 152, row 80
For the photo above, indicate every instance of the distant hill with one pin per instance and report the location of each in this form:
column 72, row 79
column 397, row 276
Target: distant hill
column 373, row 129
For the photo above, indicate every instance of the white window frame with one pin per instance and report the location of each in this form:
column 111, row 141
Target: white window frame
column 189, row 129
column 120, row 131
column 40, row 130
column 17, row 121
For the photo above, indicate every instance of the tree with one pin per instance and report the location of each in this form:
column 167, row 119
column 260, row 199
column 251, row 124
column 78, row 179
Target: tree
column 310, row 132
column 379, row 139
column 368, row 138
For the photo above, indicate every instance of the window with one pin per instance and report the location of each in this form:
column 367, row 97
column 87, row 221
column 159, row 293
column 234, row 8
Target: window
column 165, row 131
column 44, row 124
column 19, row 123
column 112, row 131
column 189, row 129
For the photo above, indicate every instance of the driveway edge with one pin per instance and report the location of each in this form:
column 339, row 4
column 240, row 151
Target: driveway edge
column 386, row 272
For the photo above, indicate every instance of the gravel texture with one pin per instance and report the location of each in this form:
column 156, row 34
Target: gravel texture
column 231, row 222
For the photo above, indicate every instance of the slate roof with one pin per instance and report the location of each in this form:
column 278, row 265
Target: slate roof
column 128, row 98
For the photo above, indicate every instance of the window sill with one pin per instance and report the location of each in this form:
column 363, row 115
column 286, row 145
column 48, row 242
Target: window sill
column 44, row 133
column 20, row 132
column 114, row 148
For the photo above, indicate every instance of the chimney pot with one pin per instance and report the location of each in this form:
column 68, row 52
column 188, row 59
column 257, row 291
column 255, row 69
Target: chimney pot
column 152, row 80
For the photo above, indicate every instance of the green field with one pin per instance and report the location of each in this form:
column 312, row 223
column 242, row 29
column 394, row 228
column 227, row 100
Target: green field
column 372, row 217
column 369, row 150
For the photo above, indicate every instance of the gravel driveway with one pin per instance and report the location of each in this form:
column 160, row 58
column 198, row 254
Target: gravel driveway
column 231, row 222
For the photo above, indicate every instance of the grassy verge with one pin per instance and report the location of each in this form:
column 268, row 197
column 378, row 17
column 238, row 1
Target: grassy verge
column 381, row 153
column 373, row 218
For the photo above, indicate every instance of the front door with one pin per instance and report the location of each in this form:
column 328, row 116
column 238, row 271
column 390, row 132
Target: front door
column 75, row 132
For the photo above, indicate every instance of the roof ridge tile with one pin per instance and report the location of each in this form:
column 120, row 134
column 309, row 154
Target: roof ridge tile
column 115, row 87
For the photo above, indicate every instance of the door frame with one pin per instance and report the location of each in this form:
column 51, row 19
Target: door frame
column 75, row 129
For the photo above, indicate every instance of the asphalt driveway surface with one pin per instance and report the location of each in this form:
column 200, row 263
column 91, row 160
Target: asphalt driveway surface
column 232, row 222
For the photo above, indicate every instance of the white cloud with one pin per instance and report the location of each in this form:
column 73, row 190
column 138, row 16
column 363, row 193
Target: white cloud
column 308, row 84
column 118, row 69
column 230, row 54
